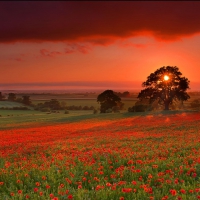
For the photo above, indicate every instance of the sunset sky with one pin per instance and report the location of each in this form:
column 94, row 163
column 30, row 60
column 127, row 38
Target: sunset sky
column 105, row 45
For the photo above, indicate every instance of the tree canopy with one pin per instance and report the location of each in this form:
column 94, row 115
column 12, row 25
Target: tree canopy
column 108, row 100
column 165, row 85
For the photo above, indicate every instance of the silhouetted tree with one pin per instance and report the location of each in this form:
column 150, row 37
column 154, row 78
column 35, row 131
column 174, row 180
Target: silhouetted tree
column 165, row 85
column 2, row 97
column 26, row 100
column 108, row 100
column 11, row 97
column 54, row 104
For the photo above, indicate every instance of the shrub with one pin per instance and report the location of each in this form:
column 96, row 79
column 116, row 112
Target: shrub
column 95, row 111
column 109, row 110
column 131, row 109
column 66, row 112
column 140, row 108
column 115, row 109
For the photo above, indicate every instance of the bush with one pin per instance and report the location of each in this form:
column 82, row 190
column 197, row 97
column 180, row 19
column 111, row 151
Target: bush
column 131, row 109
column 109, row 110
column 66, row 112
column 115, row 109
column 141, row 108
column 95, row 111
column 138, row 108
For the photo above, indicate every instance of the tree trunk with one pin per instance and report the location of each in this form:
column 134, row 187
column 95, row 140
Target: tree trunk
column 166, row 105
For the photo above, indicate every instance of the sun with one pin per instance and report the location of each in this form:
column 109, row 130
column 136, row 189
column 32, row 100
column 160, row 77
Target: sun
column 166, row 78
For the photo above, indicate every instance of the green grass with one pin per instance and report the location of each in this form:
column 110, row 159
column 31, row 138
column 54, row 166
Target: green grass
column 20, row 118
column 10, row 104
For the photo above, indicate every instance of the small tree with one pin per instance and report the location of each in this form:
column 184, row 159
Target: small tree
column 26, row 100
column 108, row 100
column 54, row 104
column 11, row 97
column 165, row 85
column 2, row 97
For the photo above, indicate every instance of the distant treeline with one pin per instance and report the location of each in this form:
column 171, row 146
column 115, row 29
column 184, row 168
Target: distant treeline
column 124, row 94
column 12, row 97
column 54, row 104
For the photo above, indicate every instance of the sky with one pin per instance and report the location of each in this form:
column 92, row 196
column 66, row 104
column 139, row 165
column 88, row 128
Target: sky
column 103, row 45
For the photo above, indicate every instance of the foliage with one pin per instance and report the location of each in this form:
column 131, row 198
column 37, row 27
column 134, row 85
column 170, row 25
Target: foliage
column 95, row 111
column 2, row 97
column 165, row 91
column 26, row 100
column 66, row 112
column 12, row 97
column 47, row 106
column 108, row 100
column 138, row 108
column 54, row 104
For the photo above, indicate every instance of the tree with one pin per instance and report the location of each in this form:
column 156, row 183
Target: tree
column 165, row 85
column 11, row 97
column 54, row 104
column 2, row 97
column 108, row 100
column 26, row 100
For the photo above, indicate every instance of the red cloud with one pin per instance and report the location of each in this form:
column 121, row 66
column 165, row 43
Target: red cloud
column 75, row 21
column 135, row 45
column 46, row 52
column 71, row 48
column 75, row 47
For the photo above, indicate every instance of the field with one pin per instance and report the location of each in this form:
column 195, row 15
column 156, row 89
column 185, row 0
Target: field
column 117, row 156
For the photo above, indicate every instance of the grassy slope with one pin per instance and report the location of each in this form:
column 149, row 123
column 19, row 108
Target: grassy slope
column 10, row 104
column 30, row 118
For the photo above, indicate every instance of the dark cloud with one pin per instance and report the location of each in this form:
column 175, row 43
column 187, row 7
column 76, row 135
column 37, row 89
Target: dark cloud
column 97, row 22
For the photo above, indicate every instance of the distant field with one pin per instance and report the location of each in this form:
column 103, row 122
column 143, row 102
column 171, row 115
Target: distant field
column 91, row 99
column 90, row 102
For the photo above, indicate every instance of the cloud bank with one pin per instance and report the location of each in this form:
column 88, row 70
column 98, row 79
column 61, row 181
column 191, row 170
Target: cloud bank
column 97, row 22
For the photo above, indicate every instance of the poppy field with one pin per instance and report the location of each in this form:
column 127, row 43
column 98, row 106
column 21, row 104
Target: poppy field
column 155, row 157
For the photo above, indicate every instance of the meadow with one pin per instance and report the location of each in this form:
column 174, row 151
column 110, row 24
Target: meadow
column 85, row 156
column 114, row 156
